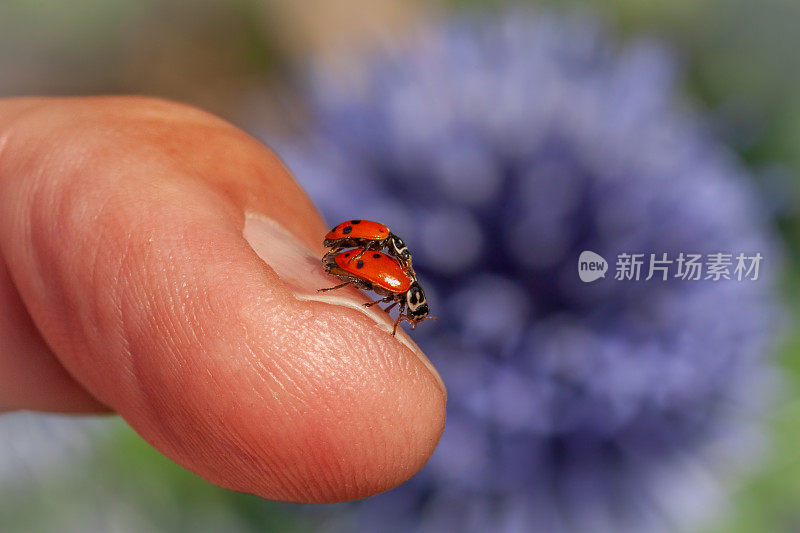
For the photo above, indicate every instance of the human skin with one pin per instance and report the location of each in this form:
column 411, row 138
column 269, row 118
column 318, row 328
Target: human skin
column 159, row 263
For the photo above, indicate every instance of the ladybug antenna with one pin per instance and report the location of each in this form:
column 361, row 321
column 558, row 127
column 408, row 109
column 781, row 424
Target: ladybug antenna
column 405, row 318
column 423, row 319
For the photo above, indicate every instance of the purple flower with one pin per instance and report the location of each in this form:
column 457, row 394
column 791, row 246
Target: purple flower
column 499, row 150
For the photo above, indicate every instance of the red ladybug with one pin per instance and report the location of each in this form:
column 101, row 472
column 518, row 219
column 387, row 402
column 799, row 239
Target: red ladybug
column 369, row 236
column 376, row 271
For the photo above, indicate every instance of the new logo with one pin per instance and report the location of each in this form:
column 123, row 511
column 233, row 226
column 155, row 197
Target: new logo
column 591, row 266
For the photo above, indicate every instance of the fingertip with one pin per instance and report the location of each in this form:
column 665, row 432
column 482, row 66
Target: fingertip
column 391, row 400
column 152, row 297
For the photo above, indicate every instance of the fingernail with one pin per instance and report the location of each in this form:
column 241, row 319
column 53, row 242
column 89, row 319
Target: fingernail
column 301, row 270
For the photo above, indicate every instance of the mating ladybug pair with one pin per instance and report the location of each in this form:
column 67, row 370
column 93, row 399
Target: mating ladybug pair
column 366, row 267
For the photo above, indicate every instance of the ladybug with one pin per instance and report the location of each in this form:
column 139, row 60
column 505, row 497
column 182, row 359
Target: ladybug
column 381, row 273
column 368, row 236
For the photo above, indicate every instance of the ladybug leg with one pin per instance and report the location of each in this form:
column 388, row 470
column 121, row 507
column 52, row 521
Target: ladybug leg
column 396, row 322
column 330, row 253
column 368, row 247
column 382, row 300
column 359, row 254
column 334, row 288
column 399, row 317
column 415, row 322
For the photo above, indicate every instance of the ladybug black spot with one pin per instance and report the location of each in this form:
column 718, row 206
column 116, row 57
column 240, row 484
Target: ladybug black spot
column 376, row 256
column 355, row 222
column 360, row 264
column 347, row 254
column 347, row 229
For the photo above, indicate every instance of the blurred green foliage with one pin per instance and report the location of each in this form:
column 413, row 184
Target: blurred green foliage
column 126, row 485
column 770, row 499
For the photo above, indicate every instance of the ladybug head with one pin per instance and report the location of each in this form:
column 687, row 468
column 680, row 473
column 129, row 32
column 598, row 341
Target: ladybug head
column 399, row 249
column 416, row 304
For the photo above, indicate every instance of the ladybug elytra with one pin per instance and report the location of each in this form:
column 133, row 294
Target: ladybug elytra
column 381, row 273
column 368, row 236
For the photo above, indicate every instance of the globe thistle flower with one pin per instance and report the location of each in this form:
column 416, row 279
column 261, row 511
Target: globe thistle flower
column 500, row 149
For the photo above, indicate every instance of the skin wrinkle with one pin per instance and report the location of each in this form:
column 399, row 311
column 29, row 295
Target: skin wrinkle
column 43, row 220
column 171, row 335
column 176, row 300
column 115, row 297
column 313, row 465
column 271, row 460
column 334, row 461
column 256, row 364
column 284, row 370
column 233, row 462
column 263, row 371
column 319, row 464
column 334, row 465
column 125, row 366
column 324, row 364
column 174, row 343
column 253, row 459
column 191, row 323
column 29, row 223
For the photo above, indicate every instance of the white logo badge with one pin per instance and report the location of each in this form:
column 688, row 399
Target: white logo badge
column 591, row 266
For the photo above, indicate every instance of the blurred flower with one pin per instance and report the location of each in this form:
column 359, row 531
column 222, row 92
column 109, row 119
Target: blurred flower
column 499, row 150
